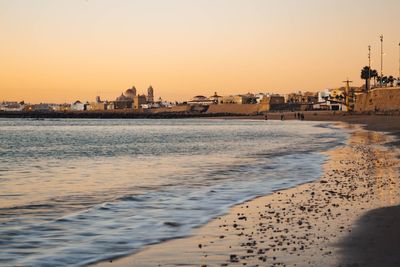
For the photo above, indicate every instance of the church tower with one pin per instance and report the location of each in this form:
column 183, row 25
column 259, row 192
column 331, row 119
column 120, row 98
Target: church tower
column 150, row 95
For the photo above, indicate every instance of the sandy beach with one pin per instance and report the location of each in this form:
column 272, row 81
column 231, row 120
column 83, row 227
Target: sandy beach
column 348, row 217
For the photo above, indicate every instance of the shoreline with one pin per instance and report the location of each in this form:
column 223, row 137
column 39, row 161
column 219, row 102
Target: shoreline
column 111, row 115
column 371, row 120
column 129, row 114
column 234, row 239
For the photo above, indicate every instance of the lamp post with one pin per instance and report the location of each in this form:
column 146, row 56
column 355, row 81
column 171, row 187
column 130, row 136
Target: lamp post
column 368, row 86
column 381, row 37
column 369, row 56
column 348, row 95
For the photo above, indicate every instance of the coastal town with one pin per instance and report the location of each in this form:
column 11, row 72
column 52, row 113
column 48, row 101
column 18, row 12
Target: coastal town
column 381, row 96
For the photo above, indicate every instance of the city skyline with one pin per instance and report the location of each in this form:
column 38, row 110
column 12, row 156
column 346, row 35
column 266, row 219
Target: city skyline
column 60, row 51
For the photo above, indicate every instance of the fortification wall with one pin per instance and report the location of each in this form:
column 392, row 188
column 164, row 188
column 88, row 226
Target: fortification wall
column 235, row 108
column 382, row 99
column 184, row 108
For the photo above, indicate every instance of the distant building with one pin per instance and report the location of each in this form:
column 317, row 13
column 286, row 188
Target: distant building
column 323, row 96
column 237, row 99
column 294, row 97
column 272, row 102
column 127, row 99
column 331, row 99
column 166, row 104
column 78, row 106
column 61, row 107
column 259, row 97
column 310, row 97
column 215, row 98
column 149, row 106
column 42, row 107
column 150, row 95
column 138, row 101
column 162, row 104
column 249, row 98
column 110, row 105
column 201, row 101
column 123, row 102
column 12, row 106
column 301, row 98
column 157, row 104
column 131, row 92
column 330, row 105
column 101, row 106
column 98, row 105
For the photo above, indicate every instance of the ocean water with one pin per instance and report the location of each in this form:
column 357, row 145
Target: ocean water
column 74, row 192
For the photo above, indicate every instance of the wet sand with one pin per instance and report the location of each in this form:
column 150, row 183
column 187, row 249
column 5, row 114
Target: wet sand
column 349, row 217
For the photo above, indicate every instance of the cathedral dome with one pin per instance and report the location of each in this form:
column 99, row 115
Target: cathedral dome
column 131, row 93
column 122, row 97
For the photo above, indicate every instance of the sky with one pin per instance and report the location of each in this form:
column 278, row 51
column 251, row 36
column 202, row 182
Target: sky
column 64, row 50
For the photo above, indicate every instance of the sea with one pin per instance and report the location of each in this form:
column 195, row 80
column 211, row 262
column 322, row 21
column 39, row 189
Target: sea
column 78, row 191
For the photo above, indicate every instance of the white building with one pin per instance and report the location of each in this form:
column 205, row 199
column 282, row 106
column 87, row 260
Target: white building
column 166, row 104
column 201, row 100
column 327, row 102
column 323, row 95
column 12, row 106
column 77, row 106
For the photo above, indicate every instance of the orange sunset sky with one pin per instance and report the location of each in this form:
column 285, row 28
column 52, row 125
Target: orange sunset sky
column 64, row 50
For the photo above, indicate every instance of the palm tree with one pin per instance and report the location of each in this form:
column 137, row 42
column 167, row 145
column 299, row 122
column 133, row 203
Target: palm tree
column 384, row 80
column 391, row 80
column 378, row 79
column 374, row 75
column 366, row 75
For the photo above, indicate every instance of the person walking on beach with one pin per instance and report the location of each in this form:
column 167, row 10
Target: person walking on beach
column 282, row 117
column 302, row 116
column 266, row 117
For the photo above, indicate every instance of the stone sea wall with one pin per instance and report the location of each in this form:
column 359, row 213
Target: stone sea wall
column 380, row 99
column 178, row 109
column 236, row 108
